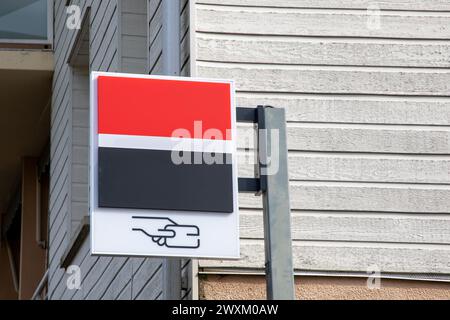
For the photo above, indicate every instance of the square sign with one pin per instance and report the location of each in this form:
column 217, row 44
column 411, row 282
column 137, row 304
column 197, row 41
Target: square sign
column 163, row 174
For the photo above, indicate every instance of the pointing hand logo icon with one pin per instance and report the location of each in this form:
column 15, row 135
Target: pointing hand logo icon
column 167, row 233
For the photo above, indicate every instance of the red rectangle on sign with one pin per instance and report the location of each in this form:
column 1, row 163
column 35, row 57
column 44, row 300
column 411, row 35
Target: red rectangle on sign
column 158, row 107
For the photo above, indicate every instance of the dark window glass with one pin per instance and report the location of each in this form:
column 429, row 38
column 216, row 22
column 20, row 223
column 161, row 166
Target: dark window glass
column 23, row 19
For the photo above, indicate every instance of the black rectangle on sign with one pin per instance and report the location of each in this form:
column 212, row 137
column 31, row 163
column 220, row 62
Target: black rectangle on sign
column 149, row 179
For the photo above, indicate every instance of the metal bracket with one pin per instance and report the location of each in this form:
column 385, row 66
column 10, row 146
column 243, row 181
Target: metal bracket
column 258, row 184
column 248, row 115
column 251, row 185
column 274, row 187
column 248, row 185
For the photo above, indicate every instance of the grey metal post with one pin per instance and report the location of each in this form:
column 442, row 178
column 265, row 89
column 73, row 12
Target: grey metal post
column 171, row 37
column 273, row 170
column 172, row 279
column 171, row 67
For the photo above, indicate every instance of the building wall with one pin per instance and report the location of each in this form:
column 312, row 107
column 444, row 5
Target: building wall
column 117, row 42
column 368, row 111
column 324, row 288
column 368, row 115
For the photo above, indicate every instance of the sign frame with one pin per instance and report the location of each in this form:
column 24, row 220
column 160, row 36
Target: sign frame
column 95, row 211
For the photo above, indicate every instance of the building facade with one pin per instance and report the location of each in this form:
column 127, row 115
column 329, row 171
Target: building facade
column 365, row 86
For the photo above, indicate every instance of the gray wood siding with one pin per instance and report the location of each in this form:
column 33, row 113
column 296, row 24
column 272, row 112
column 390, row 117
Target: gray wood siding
column 368, row 113
column 155, row 41
column 154, row 36
column 79, row 174
column 117, row 43
column 133, row 33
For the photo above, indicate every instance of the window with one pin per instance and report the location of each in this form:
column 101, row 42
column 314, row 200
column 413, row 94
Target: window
column 26, row 21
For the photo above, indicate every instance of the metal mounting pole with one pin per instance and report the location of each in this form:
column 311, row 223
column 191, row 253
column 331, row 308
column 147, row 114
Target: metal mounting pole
column 171, row 37
column 273, row 183
column 273, row 169
column 171, row 67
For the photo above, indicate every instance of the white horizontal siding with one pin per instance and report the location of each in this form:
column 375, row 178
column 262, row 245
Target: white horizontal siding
column 350, row 257
column 362, row 138
column 368, row 113
column 339, row 196
column 331, row 80
column 359, row 167
column 411, row 5
column 376, row 227
column 321, row 22
column 322, row 51
column 355, row 108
